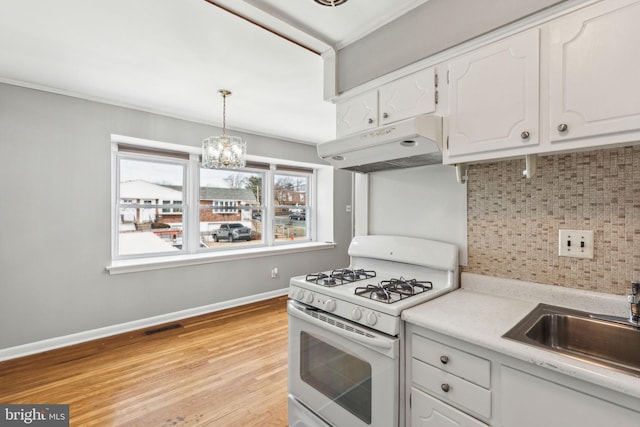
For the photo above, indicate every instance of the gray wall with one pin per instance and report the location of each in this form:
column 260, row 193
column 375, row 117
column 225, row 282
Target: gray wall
column 430, row 28
column 55, row 172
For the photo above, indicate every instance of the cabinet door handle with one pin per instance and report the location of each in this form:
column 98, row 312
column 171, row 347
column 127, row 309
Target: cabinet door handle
column 385, row 115
column 445, row 387
column 524, row 135
column 562, row 127
column 370, row 120
column 444, row 359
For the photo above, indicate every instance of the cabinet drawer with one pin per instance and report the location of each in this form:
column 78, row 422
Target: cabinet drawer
column 460, row 363
column 468, row 395
column 427, row 411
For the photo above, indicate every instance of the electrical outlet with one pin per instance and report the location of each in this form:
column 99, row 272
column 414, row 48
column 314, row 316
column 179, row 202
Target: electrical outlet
column 575, row 243
column 274, row 272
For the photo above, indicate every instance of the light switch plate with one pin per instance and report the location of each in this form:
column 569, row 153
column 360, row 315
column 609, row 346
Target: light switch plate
column 575, row 243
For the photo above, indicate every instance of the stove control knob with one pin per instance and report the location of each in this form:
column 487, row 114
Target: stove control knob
column 371, row 319
column 356, row 314
column 310, row 298
column 330, row 305
column 300, row 295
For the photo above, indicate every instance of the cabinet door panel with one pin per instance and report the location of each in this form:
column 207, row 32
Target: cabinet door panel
column 493, row 96
column 529, row 401
column 357, row 114
column 593, row 82
column 408, row 97
column 429, row 412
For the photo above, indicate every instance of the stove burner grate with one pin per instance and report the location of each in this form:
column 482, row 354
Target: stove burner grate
column 393, row 290
column 322, row 279
column 339, row 277
column 408, row 287
column 350, row 275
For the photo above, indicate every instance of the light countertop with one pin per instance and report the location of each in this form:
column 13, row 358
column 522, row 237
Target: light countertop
column 487, row 307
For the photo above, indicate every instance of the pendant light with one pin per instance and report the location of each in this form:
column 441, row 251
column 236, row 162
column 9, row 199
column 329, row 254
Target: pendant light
column 224, row 151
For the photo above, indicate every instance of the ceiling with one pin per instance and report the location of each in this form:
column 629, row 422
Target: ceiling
column 172, row 56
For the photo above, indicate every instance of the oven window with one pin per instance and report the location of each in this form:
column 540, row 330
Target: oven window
column 341, row 377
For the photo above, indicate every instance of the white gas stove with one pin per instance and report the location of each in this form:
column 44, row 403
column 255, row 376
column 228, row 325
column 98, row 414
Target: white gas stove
column 387, row 275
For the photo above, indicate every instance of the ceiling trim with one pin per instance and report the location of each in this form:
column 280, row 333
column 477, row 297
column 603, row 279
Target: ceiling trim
column 264, row 27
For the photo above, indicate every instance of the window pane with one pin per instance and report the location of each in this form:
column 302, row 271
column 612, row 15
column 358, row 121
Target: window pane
column 231, row 209
column 146, row 225
column 291, row 198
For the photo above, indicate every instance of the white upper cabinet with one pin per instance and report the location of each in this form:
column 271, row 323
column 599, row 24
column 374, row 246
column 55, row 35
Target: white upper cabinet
column 357, row 114
column 409, row 96
column 400, row 99
column 494, row 100
column 594, row 75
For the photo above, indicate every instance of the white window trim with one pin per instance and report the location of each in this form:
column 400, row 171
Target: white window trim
column 161, row 262
column 321, row 227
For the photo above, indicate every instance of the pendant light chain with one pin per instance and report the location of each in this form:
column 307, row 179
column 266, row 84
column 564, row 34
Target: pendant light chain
column 224, row 94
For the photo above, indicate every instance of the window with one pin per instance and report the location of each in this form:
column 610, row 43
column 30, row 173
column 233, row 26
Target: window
column 234, row 198
column 145, row 185
column 166, row 204
column 291, row 210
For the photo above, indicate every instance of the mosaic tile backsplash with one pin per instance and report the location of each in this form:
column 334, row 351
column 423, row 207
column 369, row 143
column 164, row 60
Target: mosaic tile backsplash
column 513, row 222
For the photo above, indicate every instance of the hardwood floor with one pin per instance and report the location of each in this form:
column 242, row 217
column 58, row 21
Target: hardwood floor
column 227, row 368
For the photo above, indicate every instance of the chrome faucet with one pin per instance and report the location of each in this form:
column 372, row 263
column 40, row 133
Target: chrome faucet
column 634, row 304
column 634, row 309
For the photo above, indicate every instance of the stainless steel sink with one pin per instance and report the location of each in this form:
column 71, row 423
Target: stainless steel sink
column 573, row 333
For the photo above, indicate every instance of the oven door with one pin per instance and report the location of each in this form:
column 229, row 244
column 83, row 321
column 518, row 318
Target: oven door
column 344, row 373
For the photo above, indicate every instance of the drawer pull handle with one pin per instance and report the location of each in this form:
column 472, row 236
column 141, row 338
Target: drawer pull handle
column 562, row 127
column 444, row 359
column 525, row 135
column 370, row 120
column 445, row 387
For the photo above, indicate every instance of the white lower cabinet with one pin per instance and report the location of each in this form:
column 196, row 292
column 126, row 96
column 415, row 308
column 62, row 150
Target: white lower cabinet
column 451, row 382
column 530, row 401
column 450, row 386
column 430, row 412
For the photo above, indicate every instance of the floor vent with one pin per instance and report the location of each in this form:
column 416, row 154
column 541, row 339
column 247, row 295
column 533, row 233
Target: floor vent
column 163, row 328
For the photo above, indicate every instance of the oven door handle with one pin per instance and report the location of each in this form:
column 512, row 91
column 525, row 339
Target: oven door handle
column 377, row 342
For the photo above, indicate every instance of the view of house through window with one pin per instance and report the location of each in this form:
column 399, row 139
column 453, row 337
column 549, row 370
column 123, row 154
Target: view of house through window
column 146, row 224
column 231, row 207
column 290, row 202
column 257, row 205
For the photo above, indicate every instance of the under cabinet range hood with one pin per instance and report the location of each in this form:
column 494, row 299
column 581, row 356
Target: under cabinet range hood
column 405, row 144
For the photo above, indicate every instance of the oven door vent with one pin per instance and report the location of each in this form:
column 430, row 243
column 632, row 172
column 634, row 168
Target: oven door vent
column 333, row 322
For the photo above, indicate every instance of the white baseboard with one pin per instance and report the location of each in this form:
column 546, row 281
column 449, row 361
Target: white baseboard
column 80, row 337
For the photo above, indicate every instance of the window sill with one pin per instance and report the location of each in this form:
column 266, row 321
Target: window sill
column 157, row 263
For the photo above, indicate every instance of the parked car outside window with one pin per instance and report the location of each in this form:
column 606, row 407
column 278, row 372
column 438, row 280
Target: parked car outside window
column 231, row 232
column 298, row 216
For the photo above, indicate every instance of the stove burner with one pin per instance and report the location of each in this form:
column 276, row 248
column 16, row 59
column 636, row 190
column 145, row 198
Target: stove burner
column 321, row 279
column 339, row 277
column 350, row 275
column 407, row 286
column 380, row 294
column 393, row 290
